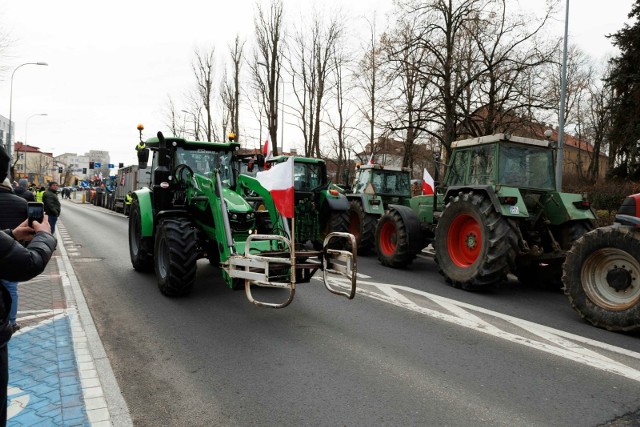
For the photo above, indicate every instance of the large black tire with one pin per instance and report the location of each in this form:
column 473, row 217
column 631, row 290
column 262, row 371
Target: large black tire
column 176, row 254
column 602, row 278
column 336, row 221
column 475, row 246
column 392, row 240
column 363, row 226
column 140, row 248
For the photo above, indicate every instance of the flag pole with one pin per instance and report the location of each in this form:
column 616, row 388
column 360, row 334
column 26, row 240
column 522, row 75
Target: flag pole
column 293, row 235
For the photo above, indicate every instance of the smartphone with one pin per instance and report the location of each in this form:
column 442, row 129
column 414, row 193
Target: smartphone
column 35, row 212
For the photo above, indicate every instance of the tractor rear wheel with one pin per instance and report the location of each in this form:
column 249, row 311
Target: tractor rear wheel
column 176, row 254
column 140, row 248
column 336, row 221
column 474, row 244
column 392, row 241
column 363, row 226
column 602, row 278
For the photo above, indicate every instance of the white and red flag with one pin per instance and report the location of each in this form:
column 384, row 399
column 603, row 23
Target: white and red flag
column 371, row 159
column 278, row 180
column 427, row 183
column 267, row 151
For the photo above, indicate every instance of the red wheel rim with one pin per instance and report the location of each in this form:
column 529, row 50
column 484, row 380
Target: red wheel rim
column 388, row 239
column 464, row 240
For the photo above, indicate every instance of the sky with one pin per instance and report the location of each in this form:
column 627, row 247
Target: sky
column 113, row 65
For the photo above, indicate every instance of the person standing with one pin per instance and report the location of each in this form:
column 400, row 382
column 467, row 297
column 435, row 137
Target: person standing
column 12, row 214
column 39, row 194
column 23, row 192
column 52, row 204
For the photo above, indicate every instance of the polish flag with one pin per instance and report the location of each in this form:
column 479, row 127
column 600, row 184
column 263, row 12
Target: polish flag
column 267, row 152
column 427, row 183
column 371, row 159
column 278, row 180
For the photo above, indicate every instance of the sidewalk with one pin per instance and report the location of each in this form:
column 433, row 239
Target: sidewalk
column 59, row 373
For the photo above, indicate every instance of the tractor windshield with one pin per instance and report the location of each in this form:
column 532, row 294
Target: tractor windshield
column 204, row 162
column 391, row 182
column 526, row 167
column 307, row 176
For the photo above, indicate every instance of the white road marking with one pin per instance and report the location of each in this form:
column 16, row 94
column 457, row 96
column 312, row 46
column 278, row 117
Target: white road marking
column 543, row 338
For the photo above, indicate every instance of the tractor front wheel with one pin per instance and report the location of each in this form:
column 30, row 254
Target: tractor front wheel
column 140, row 248
column 475, row 246
column 363, row 226
column 176, row 254
column 392, row 241
column 602, row 278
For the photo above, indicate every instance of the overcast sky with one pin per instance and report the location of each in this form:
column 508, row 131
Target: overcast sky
column 114, row 64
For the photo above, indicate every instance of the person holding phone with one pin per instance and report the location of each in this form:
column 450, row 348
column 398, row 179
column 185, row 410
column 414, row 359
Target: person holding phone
column 17, row 263
column 52, row 205
column 12, row 214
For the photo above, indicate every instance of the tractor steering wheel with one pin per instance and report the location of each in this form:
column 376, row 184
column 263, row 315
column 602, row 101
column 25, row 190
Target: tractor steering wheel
column 183, row 173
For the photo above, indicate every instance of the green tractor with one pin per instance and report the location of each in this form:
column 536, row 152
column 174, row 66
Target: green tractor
column 320, row 208
column 497, row 212
column 374, row 188
column 195, row 208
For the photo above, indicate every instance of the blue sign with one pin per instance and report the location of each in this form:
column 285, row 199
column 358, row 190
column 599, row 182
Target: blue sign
column 97, row 165
column 110, row 166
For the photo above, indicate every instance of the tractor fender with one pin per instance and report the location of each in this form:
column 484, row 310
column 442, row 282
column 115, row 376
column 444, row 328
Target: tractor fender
column 146, row 211
column 516, row 210
column 339, row 203
column 485, row 189
column 368, row 207
column 415, row 235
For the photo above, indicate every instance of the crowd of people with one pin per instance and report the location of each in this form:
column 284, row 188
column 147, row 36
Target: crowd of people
column 25, row 250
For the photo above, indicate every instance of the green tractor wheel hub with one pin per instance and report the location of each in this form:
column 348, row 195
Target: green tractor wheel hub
column 462, row 240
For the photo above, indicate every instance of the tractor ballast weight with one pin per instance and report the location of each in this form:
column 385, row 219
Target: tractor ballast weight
column 497, row 212
column 195, row 208
column 601, row 273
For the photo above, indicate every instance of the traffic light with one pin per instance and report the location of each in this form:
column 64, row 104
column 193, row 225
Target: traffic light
column 84, row 170
column 59, row 169
column 120, row 165
column 90, row 165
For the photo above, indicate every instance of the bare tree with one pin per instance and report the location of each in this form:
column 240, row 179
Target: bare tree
column 267, row 63
column 173, row 119
column 203, row 66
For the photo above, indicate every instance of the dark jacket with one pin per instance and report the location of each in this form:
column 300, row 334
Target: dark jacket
column 25, row 194
column 51, row 203
column 18, row 264
column 13, row 209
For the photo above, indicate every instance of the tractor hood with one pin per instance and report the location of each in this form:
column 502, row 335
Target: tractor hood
column 235, row 202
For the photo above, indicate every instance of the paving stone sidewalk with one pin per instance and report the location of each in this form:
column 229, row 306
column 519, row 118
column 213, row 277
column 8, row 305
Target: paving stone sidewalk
column 59, row 374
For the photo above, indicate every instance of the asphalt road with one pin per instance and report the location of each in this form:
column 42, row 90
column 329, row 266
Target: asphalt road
column 408, row 350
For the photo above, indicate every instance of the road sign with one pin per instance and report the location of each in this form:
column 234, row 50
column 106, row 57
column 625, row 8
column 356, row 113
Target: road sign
column 110, row 166
column 97, row 165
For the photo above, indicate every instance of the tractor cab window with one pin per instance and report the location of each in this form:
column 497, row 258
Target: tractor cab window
column 204, row 162
column 527, row 167
column 364, row 177
column 481, row 168
column 457, row 168
column 307, row 176
column 391, row 182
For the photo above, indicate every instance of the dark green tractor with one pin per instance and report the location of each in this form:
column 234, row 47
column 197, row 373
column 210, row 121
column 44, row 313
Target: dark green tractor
column 374, row 188
column 195, row 208
column 319, row 207
column 497, row 212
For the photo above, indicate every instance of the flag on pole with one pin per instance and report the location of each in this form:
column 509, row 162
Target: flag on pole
column 100, row 176
column 371, row 159
column 427, row 183
column 279, row 182
column 267, row 151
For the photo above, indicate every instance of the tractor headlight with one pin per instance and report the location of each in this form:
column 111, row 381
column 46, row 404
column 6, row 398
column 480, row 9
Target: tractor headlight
column 234, row 216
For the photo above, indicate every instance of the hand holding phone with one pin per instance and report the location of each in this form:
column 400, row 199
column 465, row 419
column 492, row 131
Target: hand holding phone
column 35, row 212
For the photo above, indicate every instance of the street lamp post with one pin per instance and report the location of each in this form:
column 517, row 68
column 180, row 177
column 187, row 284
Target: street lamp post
column 26, row 126
column 10, row 134
column 563, row 91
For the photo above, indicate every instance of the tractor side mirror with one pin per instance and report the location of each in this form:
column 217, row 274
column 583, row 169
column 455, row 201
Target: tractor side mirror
column 143, row 158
